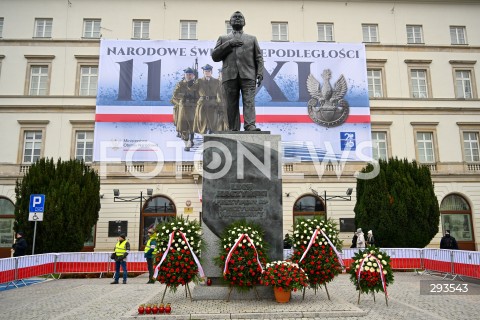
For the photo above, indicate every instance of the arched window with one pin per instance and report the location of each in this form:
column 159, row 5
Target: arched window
column 156, row 209
column 456, row 216
column 308, row 206
column 7, row 217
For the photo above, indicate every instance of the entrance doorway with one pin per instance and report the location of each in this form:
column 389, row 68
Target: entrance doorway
column 157, row 209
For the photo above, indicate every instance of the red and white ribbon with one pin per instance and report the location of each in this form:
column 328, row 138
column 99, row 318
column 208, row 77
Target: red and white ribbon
column 164, row 256
column 234, row 247
column 380, row 267
column 312, row 241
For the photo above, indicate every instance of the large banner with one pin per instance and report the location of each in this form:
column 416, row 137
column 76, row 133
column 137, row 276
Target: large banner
column 315, row 95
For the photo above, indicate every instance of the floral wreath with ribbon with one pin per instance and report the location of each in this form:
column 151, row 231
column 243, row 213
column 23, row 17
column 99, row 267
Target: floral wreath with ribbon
column 179, row 243
column 371, row 270
column 316, row 249
column 242, row 255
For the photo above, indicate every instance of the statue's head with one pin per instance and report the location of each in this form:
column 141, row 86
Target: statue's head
column 237, row 20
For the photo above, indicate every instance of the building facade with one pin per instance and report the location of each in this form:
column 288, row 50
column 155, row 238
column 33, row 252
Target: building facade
column 421, row 67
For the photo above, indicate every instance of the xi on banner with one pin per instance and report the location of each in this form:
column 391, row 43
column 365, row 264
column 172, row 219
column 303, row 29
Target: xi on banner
column 315, row 95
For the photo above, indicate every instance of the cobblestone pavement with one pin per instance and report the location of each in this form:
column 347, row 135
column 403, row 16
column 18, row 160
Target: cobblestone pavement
column 97, row 299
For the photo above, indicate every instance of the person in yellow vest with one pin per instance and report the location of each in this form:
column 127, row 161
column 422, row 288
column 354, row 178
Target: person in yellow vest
column 122, row 248
column 150, row 252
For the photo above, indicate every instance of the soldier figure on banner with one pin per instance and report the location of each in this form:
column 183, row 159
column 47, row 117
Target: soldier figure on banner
column 185, row 97
column 208, row 105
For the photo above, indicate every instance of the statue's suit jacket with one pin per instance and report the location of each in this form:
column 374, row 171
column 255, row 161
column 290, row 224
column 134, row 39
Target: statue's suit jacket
column 246, row 61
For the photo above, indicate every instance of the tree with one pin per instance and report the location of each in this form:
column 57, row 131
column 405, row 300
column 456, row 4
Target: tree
column 72, row 203
column 399, row 205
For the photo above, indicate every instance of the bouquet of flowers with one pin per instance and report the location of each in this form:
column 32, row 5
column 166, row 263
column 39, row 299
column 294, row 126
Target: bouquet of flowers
column 371, row 271
column 316, row 242
column 284, row 274
column 179, row 243
column 242, row 255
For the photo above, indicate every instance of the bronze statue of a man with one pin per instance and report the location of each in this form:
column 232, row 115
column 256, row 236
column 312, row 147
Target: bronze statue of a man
column 242, row 71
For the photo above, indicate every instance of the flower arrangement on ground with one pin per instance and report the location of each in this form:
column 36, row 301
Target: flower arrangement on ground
column 242, row 255
column 316, row 242
column 179, row 243
column 371, row 271
column 286, row 275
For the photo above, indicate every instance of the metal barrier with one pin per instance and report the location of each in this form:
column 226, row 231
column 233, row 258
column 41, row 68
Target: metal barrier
column 455, row 263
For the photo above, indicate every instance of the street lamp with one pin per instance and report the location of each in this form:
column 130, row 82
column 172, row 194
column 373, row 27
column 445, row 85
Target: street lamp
column 325, row 197
column 141, row 198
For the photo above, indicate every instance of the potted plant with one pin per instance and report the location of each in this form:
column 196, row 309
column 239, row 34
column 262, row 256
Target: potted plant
column 284, row 276
column 371, row 271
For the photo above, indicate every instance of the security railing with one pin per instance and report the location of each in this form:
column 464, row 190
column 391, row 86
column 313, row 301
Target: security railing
column 453, row 263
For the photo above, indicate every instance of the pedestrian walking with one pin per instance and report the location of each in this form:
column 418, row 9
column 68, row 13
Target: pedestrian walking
column 19, row 248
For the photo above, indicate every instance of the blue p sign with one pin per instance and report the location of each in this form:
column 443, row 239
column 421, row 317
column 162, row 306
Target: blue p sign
column 37, row 203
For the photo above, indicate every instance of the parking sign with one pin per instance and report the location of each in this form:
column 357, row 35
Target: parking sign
column 36, row 207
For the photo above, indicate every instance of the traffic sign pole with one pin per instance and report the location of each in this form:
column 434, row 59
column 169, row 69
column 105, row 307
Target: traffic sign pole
column 34, row 237
column 36, row 209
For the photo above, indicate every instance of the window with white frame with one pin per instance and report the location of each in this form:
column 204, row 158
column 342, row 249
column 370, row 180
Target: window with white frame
column 32, row 145
column 457, row 35
column 279, row 31
column 418, row 80
column 414, row 34
column 228, row 27
column 379, row 145
column 43, row 28
column 38, row 80
column 91, row 28
column 325, row 32
column 471, row 146
column 425, row 147
column 1, row 27
column 88, row 80
column 141, row 29
column 84, row 146
column 375, row 88
column 188, row 30
column 463, row 84
column 7, row 219
column 370, row 32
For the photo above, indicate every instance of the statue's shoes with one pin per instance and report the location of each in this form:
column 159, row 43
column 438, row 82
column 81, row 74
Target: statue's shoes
column 252, row 128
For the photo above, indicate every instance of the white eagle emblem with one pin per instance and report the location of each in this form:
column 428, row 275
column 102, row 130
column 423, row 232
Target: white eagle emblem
column 327, row 106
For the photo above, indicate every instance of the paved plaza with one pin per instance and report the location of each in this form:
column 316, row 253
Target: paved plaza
column 97, row 299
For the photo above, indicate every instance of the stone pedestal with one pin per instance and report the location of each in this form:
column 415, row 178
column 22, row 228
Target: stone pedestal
column 241, row 180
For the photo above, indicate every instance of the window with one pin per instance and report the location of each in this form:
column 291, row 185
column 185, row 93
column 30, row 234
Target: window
column 88, row 80
column 84, row 146
column 325, row 32
column 457, row 34
column 307, row 207
column 188, row 30
column 7, row 217
column 32, row 146
column 90, row 241
column 370, row 32
column 375, row 88
column 38, row 81
column 157, row 209
column 425, row 147
column 141, row 29
column 228, row 27
column 379, row 145
column 418, row 78
column 279, row 31
column 1, row 27
column 43, row 28
column 463, row 84
column 471, row 146
column 91, row 28
column 414, row 34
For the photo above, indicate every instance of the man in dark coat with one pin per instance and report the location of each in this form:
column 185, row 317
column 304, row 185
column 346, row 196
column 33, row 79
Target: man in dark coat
column 448, row 242
column 242, row 71
column 19, row 248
